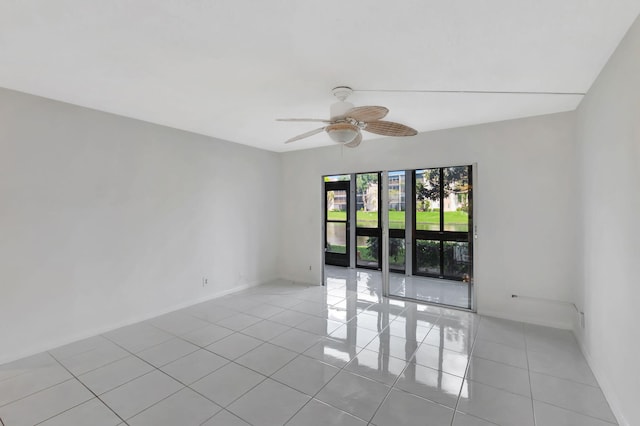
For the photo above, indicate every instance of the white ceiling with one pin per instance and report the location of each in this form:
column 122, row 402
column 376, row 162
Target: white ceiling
column 228, row 68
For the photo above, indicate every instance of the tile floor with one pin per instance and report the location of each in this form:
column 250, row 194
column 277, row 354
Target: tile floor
column 286, row 353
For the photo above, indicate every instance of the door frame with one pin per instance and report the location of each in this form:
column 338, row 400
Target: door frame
column 338, row 259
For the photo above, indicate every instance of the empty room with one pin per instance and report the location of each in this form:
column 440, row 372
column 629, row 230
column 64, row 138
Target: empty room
column 332, row 213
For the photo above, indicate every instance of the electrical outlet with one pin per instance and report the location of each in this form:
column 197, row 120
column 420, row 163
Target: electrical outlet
column 205, row 281
column 582, row 319
column 309, row 267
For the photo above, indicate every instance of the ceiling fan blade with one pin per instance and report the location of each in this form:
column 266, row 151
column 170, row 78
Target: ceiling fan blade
column 367, row 113
column 317, row 120
column 355, row 142
column 305, row 135
column 389, row 128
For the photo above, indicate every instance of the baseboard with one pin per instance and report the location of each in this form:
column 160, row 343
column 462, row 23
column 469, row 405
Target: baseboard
column 80, row 336
column 606, row 387
column 554, row 324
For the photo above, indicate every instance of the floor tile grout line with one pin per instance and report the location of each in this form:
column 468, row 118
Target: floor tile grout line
column 86, row 387
column 210, row 343
column 507, row 391
column 139, row 358
column 235, row 313
column 212, row 416
column 262, row 342
column 180, row 357
column 340, row 369
column 220, row 411
column 146, row 362
column 209, row 322
column 497, row 362
column 168, row 375
column 269, row 341
column 225, row 407
column 62, row 360
column 76, row 353
column 128, row 381
column 526, row 351
column 312, row 397
column 141, row 350
column 182, row 334
column 135, row 354
column 105, row 365
column 565, row 379
column 299, row 353
column 299, row 409
column 55, row 363
column 501, row 343
column 167, row 397
column 466, row 370
column 575, row 412
column 479, row 418
column 157, row 402
column 392, row 386
column 14, row 376
column 36, row 392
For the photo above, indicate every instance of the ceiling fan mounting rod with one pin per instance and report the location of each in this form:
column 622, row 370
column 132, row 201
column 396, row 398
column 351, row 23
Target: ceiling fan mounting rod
column 342, row 92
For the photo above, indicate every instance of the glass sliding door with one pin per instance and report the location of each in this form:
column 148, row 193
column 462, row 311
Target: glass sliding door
column 442, row 223
column 438, row 212
column 397, row 221
column 368, row 231
column 336, row 216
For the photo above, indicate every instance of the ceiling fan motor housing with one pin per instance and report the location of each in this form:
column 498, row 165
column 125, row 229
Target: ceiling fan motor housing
column 339, row 109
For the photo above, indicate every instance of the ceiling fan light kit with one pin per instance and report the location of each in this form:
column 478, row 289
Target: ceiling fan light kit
column 347, row 122
column 342, row 132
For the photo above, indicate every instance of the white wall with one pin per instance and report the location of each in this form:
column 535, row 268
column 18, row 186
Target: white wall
column 524, row 197
column 106, row 220
column 608, row 138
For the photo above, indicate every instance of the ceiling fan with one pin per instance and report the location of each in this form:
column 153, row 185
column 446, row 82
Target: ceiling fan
column 347, row 122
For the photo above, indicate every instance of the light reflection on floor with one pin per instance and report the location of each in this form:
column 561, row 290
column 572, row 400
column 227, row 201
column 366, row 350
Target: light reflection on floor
column 432, row 290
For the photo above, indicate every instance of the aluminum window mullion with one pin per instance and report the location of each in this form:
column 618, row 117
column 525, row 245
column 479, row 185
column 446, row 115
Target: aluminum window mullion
column 353, row 222
column 383, row 214
column 409, row 202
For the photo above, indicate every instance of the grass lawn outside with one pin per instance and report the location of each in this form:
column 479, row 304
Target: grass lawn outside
column 454, row 221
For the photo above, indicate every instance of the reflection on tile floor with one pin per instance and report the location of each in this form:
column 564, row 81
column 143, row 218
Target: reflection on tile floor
column 425, row 289
column 287, row 353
